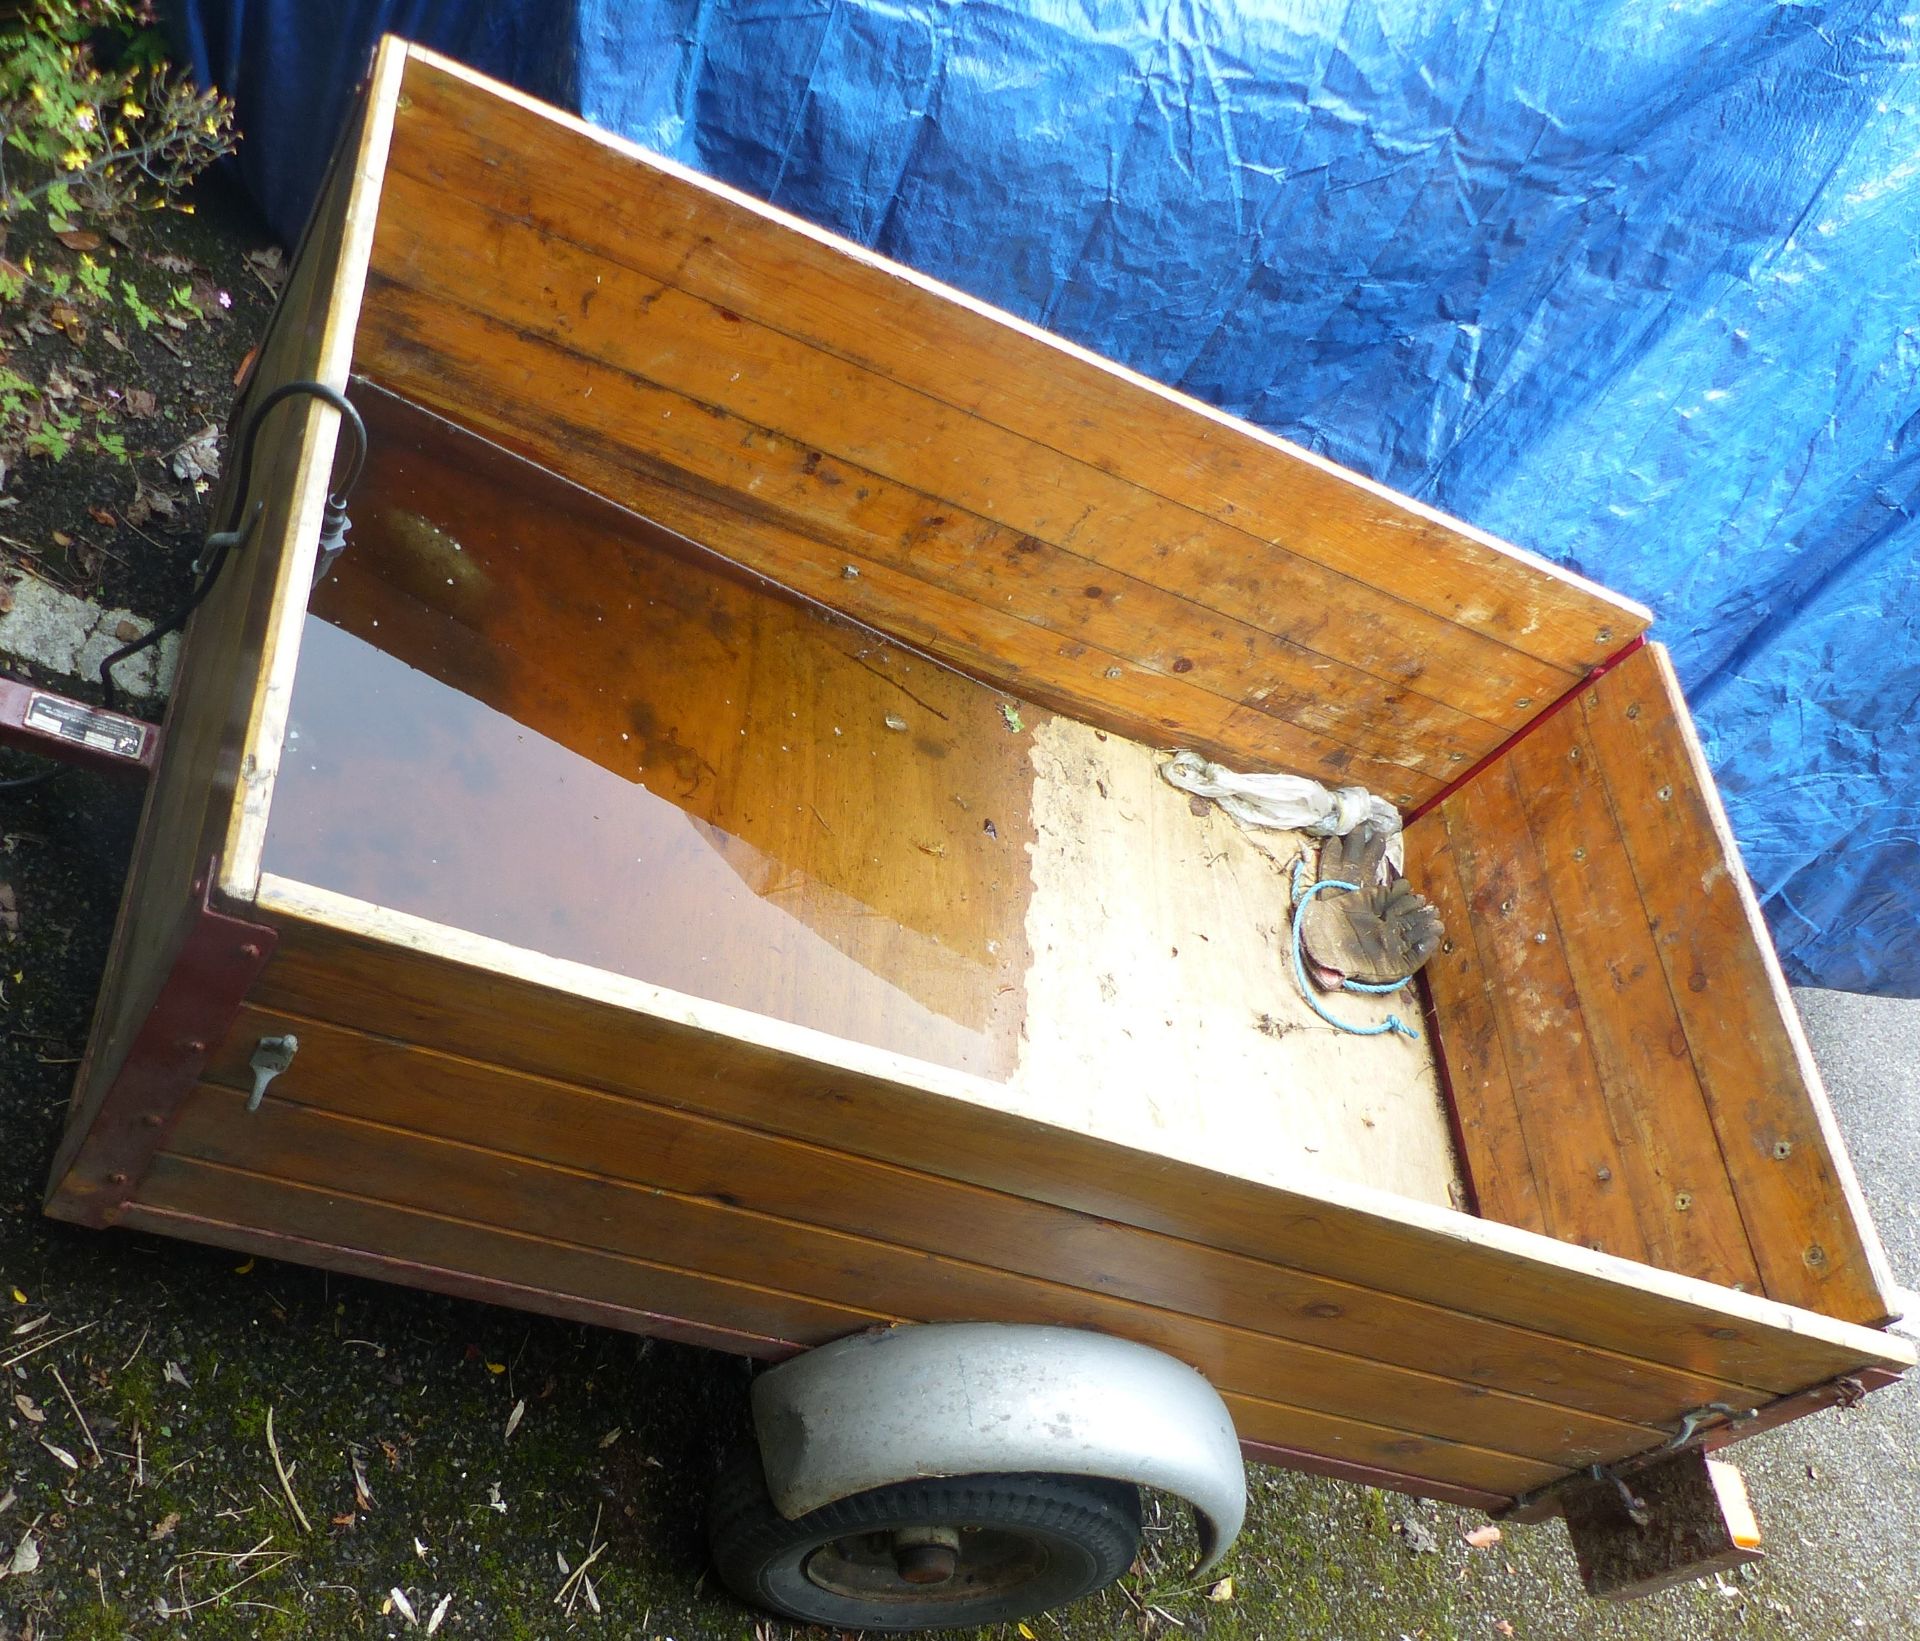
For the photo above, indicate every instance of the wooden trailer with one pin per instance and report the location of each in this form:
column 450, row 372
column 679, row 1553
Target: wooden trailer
column 706, row 840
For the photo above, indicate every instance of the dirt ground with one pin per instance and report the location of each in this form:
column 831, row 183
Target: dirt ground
column 139, row 1493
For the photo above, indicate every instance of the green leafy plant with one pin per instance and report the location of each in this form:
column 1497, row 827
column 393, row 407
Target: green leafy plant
column 183, row 298
column 53, row 438
column 93, row 127
column 111, row 444
column 15, row 391
column 95, row 280
column 143, row 316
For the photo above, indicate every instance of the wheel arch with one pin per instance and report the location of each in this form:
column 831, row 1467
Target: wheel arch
column 964, row 1398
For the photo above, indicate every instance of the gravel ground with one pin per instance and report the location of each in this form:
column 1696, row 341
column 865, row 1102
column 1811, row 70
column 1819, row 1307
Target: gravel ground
column 134, row 1453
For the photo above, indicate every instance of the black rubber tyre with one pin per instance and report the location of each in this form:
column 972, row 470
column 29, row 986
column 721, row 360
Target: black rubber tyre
column 1027, row 1543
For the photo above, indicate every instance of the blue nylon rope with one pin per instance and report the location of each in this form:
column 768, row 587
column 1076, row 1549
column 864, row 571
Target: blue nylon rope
column 1301, row 901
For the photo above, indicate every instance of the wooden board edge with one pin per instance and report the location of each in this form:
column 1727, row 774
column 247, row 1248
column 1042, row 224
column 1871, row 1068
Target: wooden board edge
column 360, row 181
column 288, row 902
column 379, row 1267
column 1873, row 1252
column 1632, row 617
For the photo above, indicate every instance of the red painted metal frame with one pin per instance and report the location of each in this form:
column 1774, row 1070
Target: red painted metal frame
column 1847, row 1391
column 16, row 698
column 216, row 960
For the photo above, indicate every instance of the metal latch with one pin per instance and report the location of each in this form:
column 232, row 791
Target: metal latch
column 271, row 1056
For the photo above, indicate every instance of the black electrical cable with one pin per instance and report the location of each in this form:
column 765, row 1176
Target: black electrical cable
column 220, row 544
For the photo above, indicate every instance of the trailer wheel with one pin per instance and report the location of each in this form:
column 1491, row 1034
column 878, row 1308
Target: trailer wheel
column 927, row 1554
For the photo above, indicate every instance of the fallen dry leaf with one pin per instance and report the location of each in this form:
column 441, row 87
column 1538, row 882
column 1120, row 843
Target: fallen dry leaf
column 6, row 598
column 22, row 1400
column 139, row 402
column 113, row 338
column 198, row 457
column 103, row 516
column 79, row 239
column 66, row 318
column 1223, row 1591
column 168, row 262
column 127, row 631
column 245, row 365
column 440, row 1612
column 10, row 924
column 399, row 1598
column 164, row 1527
column 1503, row 1626
column 1484, row 1538
column 513, row 1419
column 61, row 1454
column 26, row 1558
column 172, row 1373
column 61, row 538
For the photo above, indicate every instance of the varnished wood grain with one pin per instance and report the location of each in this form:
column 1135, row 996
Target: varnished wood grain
column 1674, row 1173
column 651, row 1143
column 767, row 386
column 1493, row 1140
column 711, row 1236
column 196, row 804
column 468, row 138
column 1648, row 1038
column 1787, row 1164
column 474, row 998
column 347, row 1232
column 1581, row 1174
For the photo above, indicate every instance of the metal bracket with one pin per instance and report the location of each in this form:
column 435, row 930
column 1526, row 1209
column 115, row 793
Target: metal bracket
column 111, row 1141
column 271, row 1056
column 57, row 726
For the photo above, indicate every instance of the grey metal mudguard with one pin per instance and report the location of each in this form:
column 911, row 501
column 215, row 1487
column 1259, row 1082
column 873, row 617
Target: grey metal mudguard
column 975, row 1398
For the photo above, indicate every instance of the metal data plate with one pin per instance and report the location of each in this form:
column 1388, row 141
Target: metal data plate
column 104, row 731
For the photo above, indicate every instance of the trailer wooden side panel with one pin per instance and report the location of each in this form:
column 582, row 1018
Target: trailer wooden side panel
column 952, row 476
column 234, row 655
column 1613, row 1018
column 461, row 1107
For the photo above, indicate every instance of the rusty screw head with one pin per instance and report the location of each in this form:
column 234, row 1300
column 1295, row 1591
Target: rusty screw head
column 1634, row 710
column 1683, row 1200
column 1664, row 793
column 1603, row 1174
column 1782, row 1149
column 116, row 1179
column 250, row 949
column 1815, row 1255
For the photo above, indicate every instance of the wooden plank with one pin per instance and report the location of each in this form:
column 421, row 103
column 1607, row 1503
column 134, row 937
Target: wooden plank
column 1806, row 1218
column 192, row 806
column 250, row 1214
column 325, row 351
column 1580, row 1166
column 697, row 1233
column 1003, row 607
column 1644, row 1076
column 864, row 431
column 566, row 180
column 333, row 1227
column 484, row 1000
column 1493, row 1139
column 649, row 1143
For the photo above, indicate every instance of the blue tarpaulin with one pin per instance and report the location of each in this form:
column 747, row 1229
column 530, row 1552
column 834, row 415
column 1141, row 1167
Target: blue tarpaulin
column 1633, row 284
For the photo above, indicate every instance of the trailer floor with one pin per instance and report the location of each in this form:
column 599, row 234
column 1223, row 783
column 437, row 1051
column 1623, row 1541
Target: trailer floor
column 174, row 1358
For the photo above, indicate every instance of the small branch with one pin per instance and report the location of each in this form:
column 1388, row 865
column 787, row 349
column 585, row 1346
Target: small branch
column 286, row 1485
column 84, row 1429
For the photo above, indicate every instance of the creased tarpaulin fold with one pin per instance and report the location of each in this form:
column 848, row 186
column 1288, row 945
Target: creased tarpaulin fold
column 1631, row 284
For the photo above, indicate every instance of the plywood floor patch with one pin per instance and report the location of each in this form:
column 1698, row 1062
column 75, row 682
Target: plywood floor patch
column 1160, row 1007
